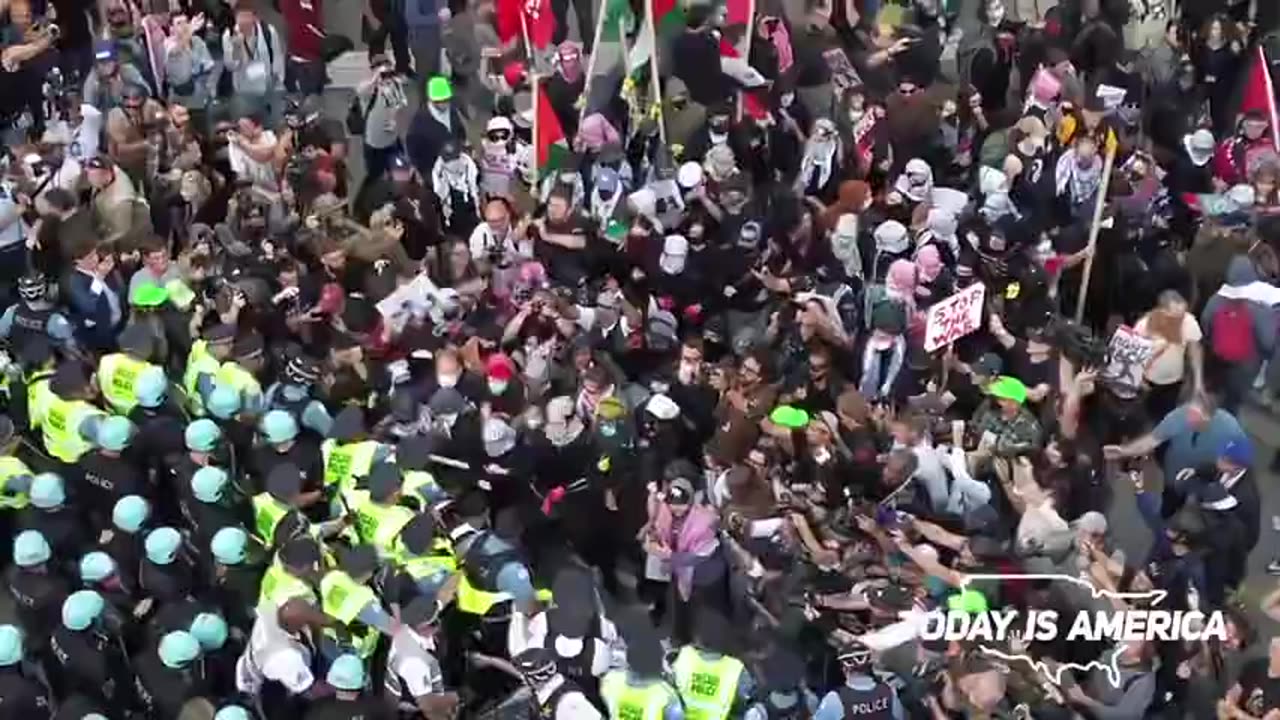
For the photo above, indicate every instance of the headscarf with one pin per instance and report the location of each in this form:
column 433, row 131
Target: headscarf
column 900, row 281
column 928, row 264
column 846, row 247
column 916, row 181
column 594, row 133
column 941, row 226
column 821, row 155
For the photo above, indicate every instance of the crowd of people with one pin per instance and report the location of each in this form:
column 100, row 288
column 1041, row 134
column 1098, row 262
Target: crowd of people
column 678, row 395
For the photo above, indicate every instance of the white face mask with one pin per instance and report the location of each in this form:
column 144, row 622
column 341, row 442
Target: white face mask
column 497, row 387
column 447, row 381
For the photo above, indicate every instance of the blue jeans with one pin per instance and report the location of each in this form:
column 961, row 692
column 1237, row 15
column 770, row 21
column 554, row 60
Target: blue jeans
column 378, row 160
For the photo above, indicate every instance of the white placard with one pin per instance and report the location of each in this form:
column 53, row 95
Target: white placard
column 955, row 317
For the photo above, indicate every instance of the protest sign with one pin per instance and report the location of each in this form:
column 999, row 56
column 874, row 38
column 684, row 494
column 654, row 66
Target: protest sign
column 954, row 317
column 1127, row 356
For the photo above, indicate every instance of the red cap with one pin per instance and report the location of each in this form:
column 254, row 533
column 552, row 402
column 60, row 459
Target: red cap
column 499, row 367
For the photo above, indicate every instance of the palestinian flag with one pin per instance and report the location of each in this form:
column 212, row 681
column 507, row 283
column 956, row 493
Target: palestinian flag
column 549, row 143
column 535, row 15
column 663, row 20
column 1259, row 93
column 616, row 21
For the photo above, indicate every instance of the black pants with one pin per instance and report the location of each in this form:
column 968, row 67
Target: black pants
column 586, row 26
column 399, row 36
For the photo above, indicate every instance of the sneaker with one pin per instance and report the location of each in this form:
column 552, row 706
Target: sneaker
column 1273, row 567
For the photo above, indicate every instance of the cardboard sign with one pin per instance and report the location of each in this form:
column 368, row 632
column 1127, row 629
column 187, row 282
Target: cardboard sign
column 955, row 317
column 843, row 76
column 1127, row 356
column 416, row 299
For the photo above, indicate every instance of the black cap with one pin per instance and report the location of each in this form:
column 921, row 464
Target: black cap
column 359, row 561
column 284, row 482
column 68, row 379
column 420, row 611
column 249, row 347
column 419, row 534
column 300, row 552
column 413, row 453
column 348, row 425
column 384, row 481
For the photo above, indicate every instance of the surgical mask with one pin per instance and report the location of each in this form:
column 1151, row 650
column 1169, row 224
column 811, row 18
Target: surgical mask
column 447, row 381
column 497, row 387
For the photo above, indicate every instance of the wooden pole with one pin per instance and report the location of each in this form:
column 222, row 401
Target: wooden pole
column 1098, row 207
column 653, row 72
column 524, row 33
column 537, row 174
column 591, row 62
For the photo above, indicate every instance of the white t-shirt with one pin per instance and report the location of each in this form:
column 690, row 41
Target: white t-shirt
column 261, row 174
column 82, row 140
column 412, row 666
column 273, row 654
column 1169, row 363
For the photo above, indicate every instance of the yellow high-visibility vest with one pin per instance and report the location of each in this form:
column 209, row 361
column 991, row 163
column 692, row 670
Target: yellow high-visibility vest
column 12, row 467
column 117, row 378
column 708, row 687
column 199, row 362
column 61, row 428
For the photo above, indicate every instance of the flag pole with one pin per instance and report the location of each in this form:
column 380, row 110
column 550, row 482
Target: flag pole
column 1095, row 229
column 653, row 72
column 537, row 172
column 524, row 33
column 746, row 51
column 591, row 61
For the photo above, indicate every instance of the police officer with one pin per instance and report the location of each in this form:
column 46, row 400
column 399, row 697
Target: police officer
column 556, row 697
column 640, row 690
column 379, row 518
column 87, row 659
column 414, row 677
column 30, row 385
column 711, row 682
column 349, row 453
column 35, row 316
column 280, row 445
column 118, row 372
column 203, row 363
column 494, row 573
column 425, row 559
column 235, row 581
column 783, row 695
column 203, row 440
column 277, row 513
column 293, row 574
column 160, row 420
column 165, row 575
column 294, row 395
column 51, row 514
column 276, row 665
column 66, row 417
column 108, row 475
column 15, row 476
column 169, row 676
column 240, row 373
column 100, row 573
column 347, row 677
column 211, row 505
column 570, row 630
column 217, row 653
column 346, row 597
column 38, row 592
column 862, row 695
column 123, row 543
column 232, row 712
column 20, row 696
column 413, row 457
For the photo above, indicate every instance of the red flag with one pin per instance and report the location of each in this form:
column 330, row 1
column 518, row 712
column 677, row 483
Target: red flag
column 1260, row 93
column 549, row 141
column 537, row 17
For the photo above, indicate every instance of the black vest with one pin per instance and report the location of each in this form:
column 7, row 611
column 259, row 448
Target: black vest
column 876, row 703
column 29, row 323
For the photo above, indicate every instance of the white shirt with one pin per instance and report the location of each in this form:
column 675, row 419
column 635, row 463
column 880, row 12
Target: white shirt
column 412, row 666
column 482, row 239
column 1168, row 364
column 83, row 140
column 273, row 654
column 573, row 705
column 524, row 632
column 261, row 174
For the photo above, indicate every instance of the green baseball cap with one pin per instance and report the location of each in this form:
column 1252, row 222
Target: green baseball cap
column 967, row 601
column 788, row 416
column 148, row 295
column 439, row 89
column 1009, row 388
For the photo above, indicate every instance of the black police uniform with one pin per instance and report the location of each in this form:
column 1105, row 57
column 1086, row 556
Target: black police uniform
column 166, row 583
column 107, row 479
column 160, row 434
column 29, row 324
column 77, row 707
column 38, row 598
column 162, row 690
column 90, row 664
column 873, row 704
column 236, row 588
column 206, row 519
column 21, row 697
column 62, row 527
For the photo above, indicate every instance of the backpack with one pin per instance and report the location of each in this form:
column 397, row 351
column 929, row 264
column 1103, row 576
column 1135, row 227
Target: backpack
column 1232, row 333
